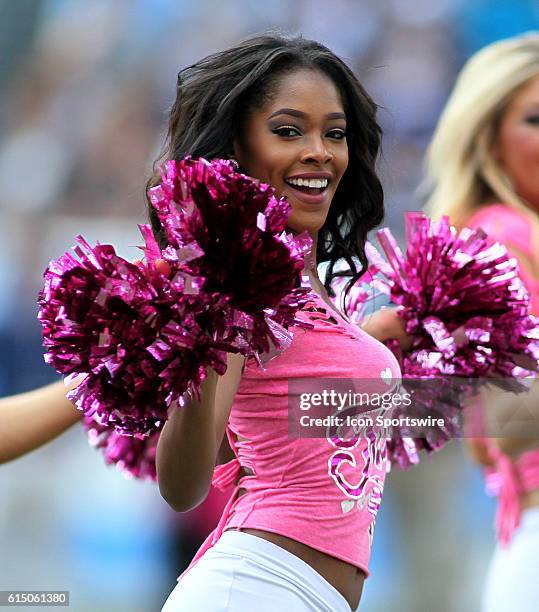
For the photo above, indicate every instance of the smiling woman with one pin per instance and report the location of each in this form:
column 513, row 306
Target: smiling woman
column 298, row 528
column 297, row 143
column 287, row 109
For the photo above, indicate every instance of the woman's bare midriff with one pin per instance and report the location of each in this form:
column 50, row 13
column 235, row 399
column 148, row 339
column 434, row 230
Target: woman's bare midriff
column 346, row 578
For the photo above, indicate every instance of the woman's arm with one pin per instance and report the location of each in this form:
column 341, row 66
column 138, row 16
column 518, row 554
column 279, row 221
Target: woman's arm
column 509, row 422
column 191, row 438
column 478, row 451
column 516, row 446
column 512, row 419
column 29, row 420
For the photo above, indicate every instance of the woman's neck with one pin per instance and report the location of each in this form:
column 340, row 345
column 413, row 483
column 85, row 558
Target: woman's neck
column 311, row 265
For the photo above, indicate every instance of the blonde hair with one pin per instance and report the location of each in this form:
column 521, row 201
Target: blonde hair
column 461, row 169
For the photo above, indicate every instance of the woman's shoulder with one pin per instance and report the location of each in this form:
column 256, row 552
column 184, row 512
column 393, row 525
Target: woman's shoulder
column 503, row 223
column 496, row 212
column 515, row 230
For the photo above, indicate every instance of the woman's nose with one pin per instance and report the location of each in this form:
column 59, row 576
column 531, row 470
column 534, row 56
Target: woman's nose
column 317, row 151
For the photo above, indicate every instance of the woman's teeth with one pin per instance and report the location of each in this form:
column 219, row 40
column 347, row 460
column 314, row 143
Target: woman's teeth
column 311, row 183
column 309, row 186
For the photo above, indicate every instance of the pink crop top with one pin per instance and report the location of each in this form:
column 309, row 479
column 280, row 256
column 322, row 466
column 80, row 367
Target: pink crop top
column 509, row 479
column 322, row 492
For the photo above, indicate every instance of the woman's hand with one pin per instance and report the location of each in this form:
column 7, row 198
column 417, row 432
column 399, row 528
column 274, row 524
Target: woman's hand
column 386, row 324
column 162, row 266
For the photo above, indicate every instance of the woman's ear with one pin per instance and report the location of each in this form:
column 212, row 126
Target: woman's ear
column 237, row 154
column 236, row 150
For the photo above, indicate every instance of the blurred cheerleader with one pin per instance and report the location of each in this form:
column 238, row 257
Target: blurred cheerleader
column 483, row 171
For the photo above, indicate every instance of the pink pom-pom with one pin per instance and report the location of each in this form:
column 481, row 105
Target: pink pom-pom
column 228, row 230
column 143, row 338
column 233, row 227
column 461, row 300
column 467, row 313
column 354, row 303
column 133, row 455
column 133, row 333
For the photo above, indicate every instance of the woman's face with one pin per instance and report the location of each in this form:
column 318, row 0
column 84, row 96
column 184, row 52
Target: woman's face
column 517, row 147
column 297, row 144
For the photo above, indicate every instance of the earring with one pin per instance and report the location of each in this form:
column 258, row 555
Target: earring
column 234, row 163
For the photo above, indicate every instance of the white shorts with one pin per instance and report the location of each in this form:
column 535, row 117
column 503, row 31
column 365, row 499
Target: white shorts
column 513, row 577
column 244, row 573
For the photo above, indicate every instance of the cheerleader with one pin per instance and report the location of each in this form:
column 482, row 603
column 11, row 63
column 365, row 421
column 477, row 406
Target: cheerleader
column 299, row 525
column 483, row 171
column 298, row 528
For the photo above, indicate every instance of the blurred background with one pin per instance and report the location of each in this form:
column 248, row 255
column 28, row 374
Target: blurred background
column 84, row 90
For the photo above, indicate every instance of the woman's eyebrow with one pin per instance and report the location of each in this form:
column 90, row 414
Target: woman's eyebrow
column 297, row 113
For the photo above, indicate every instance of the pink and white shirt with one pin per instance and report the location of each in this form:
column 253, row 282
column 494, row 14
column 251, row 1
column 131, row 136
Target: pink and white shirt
column 325, row 491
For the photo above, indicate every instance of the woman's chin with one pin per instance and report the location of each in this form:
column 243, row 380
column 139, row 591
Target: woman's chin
column 306, row 222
